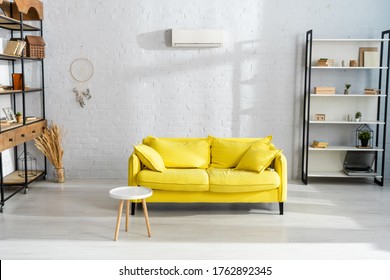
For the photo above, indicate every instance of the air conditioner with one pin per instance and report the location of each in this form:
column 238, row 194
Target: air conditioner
column 197, row 38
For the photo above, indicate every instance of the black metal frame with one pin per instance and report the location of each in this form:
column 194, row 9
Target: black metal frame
column 306, row 107
column 21, row 28
column 382, row 105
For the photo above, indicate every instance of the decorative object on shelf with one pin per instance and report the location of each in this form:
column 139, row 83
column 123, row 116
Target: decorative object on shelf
column 31, row 9
column 319, row 144
column 358, row 116
column 81, row 71
column 346, row 90
column 17, row 81
column 50, row 144
column 19, row 117
column 9, row 114
column 364, row 136
column 319, row 117
column 353, row 63
column 29, row 162
column 35, row 47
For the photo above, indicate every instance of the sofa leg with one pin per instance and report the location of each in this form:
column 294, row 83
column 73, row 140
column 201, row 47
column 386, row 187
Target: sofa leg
column 281, row 208
column 132, row 208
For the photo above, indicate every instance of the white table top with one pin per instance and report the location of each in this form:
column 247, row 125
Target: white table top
column 127, row 193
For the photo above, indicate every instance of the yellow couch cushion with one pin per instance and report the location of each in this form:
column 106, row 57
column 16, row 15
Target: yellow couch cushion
column 175, row 179
column 177, row 153
column 236, row 181
column 149, row 157
column 257, row 159
column 227, row 152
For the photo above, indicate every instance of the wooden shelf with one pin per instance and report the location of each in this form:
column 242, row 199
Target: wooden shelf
column 16, row 125
column 13, row 24
column 15, row 179
column 12, row 91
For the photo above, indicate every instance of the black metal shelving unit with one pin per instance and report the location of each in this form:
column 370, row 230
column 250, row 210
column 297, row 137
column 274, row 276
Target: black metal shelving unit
column 18, row 29
column 381, row 111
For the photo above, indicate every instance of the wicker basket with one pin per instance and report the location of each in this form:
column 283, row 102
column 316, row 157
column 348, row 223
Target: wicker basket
column 35, row 47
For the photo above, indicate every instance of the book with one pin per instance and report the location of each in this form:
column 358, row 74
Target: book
column 324, row 90
column 319, row 144
column 14, row 47
column 20, row 48
column 11, row 47
column 371, row 91
column 325, row 62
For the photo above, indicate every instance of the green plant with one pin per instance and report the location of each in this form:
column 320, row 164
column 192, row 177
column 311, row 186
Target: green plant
column 347, row 86
column 18, row 114
column 364, row 135
column 358, row 115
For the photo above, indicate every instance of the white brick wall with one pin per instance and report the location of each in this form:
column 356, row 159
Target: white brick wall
column 251, row 87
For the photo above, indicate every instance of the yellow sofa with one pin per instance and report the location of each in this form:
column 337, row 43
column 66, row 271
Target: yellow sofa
column 211, row 170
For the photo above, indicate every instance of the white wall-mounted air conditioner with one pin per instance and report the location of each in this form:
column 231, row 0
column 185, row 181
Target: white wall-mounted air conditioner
column 197, row 38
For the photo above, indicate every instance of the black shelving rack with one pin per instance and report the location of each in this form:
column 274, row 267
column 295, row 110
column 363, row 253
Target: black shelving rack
column 19, row 27
column 382, row 109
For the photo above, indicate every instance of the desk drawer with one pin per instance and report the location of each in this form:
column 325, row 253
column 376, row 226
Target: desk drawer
column 8, row 140
column 21, row 135
column 35, row 130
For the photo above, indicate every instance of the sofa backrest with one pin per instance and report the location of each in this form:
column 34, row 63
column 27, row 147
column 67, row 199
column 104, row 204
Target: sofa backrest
column 181, row 152
column 205, row 152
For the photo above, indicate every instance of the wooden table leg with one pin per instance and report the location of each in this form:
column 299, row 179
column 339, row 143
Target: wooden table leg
column 127, row 214
column 118, row 220
column 146, row 215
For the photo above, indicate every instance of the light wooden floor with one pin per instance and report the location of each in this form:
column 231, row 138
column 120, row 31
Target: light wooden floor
column 76, row 220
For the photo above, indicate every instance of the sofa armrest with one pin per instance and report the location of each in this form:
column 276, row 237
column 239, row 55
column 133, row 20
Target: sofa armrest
column 280, row 166
column 134, row 168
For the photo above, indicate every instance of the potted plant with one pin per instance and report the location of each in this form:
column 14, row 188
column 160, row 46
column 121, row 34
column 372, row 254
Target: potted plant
column 364, row 137
column 358, row 115
column 19, row 117
column 346, row 90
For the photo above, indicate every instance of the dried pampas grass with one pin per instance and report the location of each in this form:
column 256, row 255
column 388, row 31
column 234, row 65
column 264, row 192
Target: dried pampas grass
column 50, row 144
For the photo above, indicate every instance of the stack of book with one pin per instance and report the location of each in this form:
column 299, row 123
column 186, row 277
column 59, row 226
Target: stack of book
column 371, row 91
column 324, row 90
column 325, row 62
column 319, row 144
column 14, row 47
column 4, row 122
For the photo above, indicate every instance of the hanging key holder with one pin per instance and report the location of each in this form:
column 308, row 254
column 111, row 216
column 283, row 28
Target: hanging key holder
column 82, row 71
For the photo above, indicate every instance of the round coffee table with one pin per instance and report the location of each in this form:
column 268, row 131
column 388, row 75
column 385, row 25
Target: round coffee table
column 128, row 193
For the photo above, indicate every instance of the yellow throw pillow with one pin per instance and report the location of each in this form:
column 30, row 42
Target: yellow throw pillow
column 227, row 152
column 149, row 157
column 257, row 160
column 194, row 153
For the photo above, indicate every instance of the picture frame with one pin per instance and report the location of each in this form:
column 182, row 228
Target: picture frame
column 362, row 51
column 9, row 114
